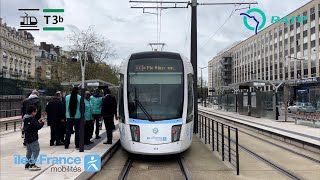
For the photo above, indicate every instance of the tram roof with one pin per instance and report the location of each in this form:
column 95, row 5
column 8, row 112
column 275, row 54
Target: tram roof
column 152, row 54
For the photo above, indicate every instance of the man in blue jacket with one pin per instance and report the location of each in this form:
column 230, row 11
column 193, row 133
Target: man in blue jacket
column 96, row 102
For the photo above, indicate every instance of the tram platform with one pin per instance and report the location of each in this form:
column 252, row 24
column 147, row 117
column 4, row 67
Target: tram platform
column 11, row 148
column 299, row 135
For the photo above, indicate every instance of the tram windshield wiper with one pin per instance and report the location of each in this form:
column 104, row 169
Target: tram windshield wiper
column 143, row 109
column 137, row 102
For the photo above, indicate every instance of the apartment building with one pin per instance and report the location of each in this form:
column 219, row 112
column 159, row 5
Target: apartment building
column 16, row 53
column 280, row 52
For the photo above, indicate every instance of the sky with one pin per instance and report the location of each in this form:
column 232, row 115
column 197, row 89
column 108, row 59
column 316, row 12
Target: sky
column 130, row 30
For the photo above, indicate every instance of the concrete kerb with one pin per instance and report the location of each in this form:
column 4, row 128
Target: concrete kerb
column 104, row 159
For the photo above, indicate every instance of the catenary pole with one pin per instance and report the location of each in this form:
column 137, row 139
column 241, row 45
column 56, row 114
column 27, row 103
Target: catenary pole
column 194, row 60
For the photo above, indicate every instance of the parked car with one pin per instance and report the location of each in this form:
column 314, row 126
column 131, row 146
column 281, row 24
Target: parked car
column 301, row 107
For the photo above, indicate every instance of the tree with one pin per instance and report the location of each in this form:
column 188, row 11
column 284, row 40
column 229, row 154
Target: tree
column 98, row 47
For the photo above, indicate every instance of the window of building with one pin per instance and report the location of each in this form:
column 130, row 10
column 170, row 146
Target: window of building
column 305, row 40
column 305, row 14
column 305, row 46
column 312, row 14
column 313, row 44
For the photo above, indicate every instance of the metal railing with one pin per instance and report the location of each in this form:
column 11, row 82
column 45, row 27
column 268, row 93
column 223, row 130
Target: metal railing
column 308, row 117
column 223, row 139
column 7, row 125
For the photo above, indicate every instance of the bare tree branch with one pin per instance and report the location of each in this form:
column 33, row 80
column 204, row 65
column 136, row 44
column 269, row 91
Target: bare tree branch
column 99, row 47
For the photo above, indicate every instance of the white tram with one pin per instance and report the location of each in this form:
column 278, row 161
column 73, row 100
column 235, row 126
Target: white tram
column 156, row 103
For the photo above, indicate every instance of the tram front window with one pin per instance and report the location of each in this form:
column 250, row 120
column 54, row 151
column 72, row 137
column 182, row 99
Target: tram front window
column 155, row 89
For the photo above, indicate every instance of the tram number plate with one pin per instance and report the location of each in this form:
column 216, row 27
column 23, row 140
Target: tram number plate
column 155, row 148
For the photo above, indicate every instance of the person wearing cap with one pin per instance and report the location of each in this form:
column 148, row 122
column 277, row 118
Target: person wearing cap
column 96, row 102
column 89, row 123
column 55, row 117
column 109, row 111
column 73, row 117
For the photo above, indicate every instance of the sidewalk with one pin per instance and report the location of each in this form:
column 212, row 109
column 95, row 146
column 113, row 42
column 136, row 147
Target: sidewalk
column 11, row 145
column 287, row 129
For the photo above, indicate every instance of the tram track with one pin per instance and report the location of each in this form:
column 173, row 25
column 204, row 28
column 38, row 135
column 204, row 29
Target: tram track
column 275, row 165
column 131, row 159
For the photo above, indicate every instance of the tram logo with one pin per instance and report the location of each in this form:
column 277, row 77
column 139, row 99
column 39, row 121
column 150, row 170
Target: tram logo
column 258, row 25
column 155, row 130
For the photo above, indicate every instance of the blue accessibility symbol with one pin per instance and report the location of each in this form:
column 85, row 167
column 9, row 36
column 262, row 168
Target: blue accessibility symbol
column 92, row 163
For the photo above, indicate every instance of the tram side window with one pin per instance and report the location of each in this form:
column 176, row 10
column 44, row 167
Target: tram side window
column 190, row 96
column 121, row 108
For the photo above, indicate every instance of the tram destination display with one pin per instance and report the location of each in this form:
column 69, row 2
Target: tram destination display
column 154, row 68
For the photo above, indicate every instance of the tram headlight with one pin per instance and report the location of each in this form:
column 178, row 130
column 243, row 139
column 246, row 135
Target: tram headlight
column 175, row 133
column 135, row 133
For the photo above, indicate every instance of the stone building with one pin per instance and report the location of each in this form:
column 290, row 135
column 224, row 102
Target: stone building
column 17, row 59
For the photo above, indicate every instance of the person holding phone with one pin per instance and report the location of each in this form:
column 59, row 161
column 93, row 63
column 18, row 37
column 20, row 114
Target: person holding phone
column 31, row 127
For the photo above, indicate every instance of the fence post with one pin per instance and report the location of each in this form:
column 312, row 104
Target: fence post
column 198, row 123
column 237, row 151
column 229, row 144
column 222, row 136
column 6, row 126
column 212, row 134
column 200, row 126
column 15, row 126
column 217, row 136
column 205, row 130
column 209, row 130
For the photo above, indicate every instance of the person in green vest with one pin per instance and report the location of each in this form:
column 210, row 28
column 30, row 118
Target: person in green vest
column 89, row 123
column 96, row 102
column 73, row 116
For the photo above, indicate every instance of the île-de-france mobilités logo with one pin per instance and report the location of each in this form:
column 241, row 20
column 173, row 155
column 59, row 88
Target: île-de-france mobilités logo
column 259, row 25
column 92, row 163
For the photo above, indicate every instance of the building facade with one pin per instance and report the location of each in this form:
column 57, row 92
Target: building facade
column 280, row 52
column 16, row 53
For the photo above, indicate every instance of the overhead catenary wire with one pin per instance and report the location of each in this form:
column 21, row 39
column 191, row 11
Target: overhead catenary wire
column 215, row 33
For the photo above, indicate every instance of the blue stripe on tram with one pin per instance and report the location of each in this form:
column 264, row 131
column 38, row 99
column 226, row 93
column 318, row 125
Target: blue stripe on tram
column 171, row 121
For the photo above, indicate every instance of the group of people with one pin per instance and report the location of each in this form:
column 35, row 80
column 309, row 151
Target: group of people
column 63, row 117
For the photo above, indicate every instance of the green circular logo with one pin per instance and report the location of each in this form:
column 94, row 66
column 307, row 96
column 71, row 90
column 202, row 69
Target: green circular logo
column 261, row 24
column 155, row 130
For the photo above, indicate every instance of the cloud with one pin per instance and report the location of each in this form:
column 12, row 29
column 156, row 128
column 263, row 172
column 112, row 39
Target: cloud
column 131, row 30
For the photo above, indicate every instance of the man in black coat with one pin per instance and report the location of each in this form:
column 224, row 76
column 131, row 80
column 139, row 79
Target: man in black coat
column 32, row 100
column 108, row 112
column 55, row 114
